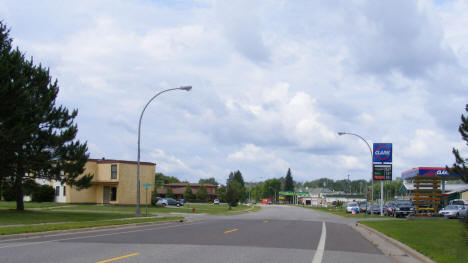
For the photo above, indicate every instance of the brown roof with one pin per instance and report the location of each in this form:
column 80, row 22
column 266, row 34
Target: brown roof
column 118, row 161
column 191, row 185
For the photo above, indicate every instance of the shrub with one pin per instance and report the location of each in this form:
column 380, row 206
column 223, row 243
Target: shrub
column 43, row 193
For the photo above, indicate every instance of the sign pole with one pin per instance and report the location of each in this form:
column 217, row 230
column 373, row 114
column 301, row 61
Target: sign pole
column 381, row 198
column 146, row 200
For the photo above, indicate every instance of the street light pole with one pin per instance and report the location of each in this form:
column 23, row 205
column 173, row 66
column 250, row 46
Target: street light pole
column 186, row 88
column 371, row 155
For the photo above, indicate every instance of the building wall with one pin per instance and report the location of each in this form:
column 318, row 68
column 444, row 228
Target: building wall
column 125, row 183
column 126, row 190
column 464, row 195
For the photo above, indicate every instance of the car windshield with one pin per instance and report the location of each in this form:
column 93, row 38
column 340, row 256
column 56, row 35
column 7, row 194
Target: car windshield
column 451, row 207
column 404, row 203
column 352, row 204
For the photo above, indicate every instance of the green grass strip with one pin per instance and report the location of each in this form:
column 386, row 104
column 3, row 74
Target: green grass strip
column 341, row 212
column 441, row 240
column 76, row 225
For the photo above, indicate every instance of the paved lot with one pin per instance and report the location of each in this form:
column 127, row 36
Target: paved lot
column 274, row 234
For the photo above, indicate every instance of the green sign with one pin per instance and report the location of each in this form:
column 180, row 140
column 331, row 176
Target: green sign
column 293, row 193
column 146, row 185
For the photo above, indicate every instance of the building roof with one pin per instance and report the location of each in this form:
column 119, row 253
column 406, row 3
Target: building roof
column 103, row 160
column 449, row 188
column 191, row 185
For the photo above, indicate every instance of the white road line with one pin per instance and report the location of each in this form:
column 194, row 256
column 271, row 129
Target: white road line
column 321, row 246
column 91, row 236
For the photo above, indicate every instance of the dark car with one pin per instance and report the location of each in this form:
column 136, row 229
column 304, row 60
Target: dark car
column 375, row 209
column 182, row 201
column 155, row 199
column 363, row 207
column 403, row 208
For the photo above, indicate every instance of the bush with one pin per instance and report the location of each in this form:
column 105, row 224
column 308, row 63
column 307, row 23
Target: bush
column 8, row 192
column 43, row 193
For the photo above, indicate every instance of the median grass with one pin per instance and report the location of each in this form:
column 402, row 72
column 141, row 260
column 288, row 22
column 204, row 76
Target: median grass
column 221, row 209
column 342, row 212
column 441, row 240
column 9, row 230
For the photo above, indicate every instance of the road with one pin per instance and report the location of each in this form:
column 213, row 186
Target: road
column 274, row 234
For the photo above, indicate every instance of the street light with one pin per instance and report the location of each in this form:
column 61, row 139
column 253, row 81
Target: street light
column 186, row 88
column 371, row 155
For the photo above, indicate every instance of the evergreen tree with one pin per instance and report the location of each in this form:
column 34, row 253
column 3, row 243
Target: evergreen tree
column 288, row 182
column 37, row 137
column 202, row 194
column 237, row 176
column 233, row 193
column 460, row 167
column 188, row 195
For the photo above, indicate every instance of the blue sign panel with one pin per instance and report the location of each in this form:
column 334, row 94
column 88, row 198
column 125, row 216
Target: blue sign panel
column 382, row 152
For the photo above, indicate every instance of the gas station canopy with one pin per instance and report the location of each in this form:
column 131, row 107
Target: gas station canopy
column 421, row 172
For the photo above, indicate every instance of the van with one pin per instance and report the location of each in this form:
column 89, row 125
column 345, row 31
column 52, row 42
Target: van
column 459, row 202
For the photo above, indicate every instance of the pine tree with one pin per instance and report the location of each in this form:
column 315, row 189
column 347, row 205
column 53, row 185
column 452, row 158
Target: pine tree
column 460, row 167
column 37, row 137
column 288, row 182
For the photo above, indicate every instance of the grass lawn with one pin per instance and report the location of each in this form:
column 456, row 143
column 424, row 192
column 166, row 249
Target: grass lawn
column 9, row 230
column 187, row 208
column 12, row 217
column 12, row 205
column 342, row 212
column 440, row 240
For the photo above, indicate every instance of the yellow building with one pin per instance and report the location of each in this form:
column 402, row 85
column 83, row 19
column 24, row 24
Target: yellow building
column 114, row 182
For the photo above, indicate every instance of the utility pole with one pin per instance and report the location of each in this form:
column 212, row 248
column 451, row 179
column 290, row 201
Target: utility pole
column 349, row 184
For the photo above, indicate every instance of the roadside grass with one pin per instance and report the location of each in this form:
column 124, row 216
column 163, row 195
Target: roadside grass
column 440, row 240
column 221, row 209
column 78, row 225
column 12, row 205
column 12, row 217
column 342, row 212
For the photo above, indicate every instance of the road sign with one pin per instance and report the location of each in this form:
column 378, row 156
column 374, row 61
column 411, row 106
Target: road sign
column 382, row 172
column 382, row 153
column 146, row 185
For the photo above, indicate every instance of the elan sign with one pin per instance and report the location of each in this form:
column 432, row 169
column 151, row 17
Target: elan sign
column 382, row 153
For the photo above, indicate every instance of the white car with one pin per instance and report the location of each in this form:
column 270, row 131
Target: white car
column 216, row 202
column 453, row 211
column 352, row 206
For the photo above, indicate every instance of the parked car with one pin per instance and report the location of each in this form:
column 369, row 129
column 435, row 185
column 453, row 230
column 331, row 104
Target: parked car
column 389, row 208
column 374, row 209
column 352, row 206
column 363, row 207
column 182, row 201
column 167, row 201
column 403, row 208
column 155, row 199
column 453, row 211
column 216, row 202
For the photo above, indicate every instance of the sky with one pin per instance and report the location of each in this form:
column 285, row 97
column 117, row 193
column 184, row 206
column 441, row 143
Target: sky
column 273, row 81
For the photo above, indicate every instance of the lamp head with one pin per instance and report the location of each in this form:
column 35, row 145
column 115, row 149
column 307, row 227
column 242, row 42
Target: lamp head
column 187, row 88
column 341, row 133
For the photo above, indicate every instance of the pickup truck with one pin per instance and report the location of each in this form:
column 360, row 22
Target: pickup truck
column 403, row 208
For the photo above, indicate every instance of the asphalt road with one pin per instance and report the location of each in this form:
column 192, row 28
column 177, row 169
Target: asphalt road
column 274, row 234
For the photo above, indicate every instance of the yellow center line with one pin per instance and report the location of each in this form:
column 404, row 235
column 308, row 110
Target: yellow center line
column 230, row 231
column 117, row 258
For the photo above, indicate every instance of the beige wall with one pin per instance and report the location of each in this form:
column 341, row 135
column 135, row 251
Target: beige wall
column 464, row 195
column 126, row 187
column 126, row 191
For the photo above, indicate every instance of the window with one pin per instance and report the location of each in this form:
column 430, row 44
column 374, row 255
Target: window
column 113, row 194
column 64, row 191
column 57, row 190
column 114, row 171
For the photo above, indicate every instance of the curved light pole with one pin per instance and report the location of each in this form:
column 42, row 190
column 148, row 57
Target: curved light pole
column 371, row 155
column 186, row 88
